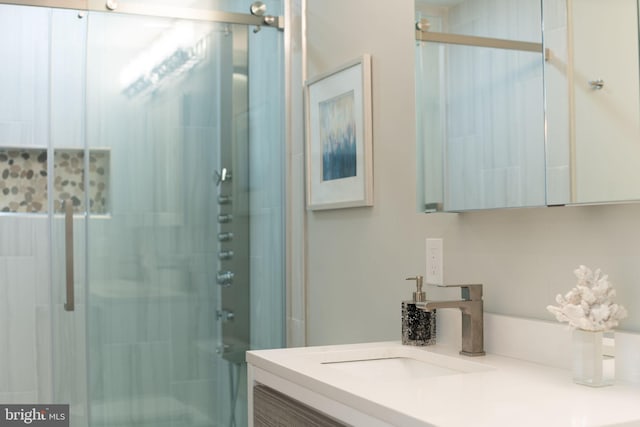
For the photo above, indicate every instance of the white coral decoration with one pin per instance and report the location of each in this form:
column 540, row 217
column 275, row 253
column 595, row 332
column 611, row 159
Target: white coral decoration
column 589, row 305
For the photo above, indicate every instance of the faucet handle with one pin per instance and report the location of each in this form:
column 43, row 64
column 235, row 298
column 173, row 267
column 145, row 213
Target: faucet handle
column 470, row 292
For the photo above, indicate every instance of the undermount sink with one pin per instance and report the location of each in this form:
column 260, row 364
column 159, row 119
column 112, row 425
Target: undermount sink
column 393, row 363
column 392, row 368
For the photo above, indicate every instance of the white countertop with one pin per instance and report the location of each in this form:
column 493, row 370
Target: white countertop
column 503, row 392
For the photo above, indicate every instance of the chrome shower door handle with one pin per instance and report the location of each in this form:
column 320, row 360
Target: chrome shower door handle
column 69, row 305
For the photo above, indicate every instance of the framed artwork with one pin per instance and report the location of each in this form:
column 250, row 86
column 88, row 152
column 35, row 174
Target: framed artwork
column 339, row 156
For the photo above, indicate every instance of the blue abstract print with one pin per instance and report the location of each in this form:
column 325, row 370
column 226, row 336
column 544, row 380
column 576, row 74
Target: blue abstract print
column 338, row 137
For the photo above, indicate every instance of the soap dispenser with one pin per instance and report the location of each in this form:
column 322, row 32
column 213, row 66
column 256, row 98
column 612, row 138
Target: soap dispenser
column 418, row 326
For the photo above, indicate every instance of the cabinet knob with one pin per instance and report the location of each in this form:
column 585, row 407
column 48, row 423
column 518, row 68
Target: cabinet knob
column 596, row 84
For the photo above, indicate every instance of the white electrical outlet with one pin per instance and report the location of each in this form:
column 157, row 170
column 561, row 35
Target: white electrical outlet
column 435, row 262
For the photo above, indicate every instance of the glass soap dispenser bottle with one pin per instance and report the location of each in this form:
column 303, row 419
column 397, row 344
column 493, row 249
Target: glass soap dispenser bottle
column 418, row 325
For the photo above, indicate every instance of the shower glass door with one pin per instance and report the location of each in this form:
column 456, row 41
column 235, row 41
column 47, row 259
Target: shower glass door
column 149, row 152
column 154, row 111
column 69, row 193
column 170, row 236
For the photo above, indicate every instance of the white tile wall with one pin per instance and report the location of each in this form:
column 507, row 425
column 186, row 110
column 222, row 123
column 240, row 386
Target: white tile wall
column 20, row 304
column 16, row 232
column 68, row 37
column 24, row 323
column 18, row 397
column 69, row 357
column 44, row 354
column 40, row 237
column 25, row 281
column 24, row 104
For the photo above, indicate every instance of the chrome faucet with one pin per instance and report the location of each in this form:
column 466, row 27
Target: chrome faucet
column 471, row 307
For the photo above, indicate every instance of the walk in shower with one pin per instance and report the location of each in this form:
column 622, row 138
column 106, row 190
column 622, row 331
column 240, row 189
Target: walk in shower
column 141, row 207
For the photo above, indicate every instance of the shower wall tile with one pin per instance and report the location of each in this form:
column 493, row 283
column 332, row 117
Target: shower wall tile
column 192, row 324
column 24, row 180
column 133, row 320
column 80, row 259
column 202, row 269
column 133, row 370
column 200, row 239
column 202, row 284
column 96, row 354
column 129, row 377
column 495, row 94
column 44, row 354
column 78, row 416
column 168, row 169
column 68, row 346
column 500, row 19
column 23, row 187
column 241, row 413
column 146, row 411
column 194, row 397
column 260, row 306
column 130, row 385
column 70, row 182
column 267, row 294
column 16, row 235
column 17, row 398
column 224, row 385
column 58, row 261
column 69, row 355
column 15, row 133
column 5, row 324
column 67, row 68
column 23, row 284
column 151, row 362
column 198, row 155
column 40, row 253
column 100, row 229
column 116, row 373
column 17, row 296
column 266, row 163
column 24, row 86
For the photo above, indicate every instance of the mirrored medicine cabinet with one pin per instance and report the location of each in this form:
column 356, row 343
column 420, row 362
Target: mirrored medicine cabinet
column 526, row 103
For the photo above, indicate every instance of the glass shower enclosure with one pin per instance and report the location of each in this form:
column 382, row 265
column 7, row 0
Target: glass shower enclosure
column 141, row 223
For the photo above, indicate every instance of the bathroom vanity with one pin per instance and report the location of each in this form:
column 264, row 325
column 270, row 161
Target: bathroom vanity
column 388, row 384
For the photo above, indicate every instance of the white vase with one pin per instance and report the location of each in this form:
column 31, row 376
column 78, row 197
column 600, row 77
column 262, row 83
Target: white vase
column 593, row 358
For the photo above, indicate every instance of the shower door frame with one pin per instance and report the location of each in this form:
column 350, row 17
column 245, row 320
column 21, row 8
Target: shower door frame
column 113, row 6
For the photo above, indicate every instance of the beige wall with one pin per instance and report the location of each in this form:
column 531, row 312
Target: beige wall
column 357, row 258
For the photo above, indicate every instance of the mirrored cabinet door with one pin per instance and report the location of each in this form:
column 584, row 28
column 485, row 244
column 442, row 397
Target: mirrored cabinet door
column 593, row 98
column 509, row 115
column 480, row 106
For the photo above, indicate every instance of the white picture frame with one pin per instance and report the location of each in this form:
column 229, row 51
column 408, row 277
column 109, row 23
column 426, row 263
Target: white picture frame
column 339, row 140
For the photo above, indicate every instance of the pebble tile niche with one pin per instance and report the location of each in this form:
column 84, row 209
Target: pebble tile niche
column 23, row 180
